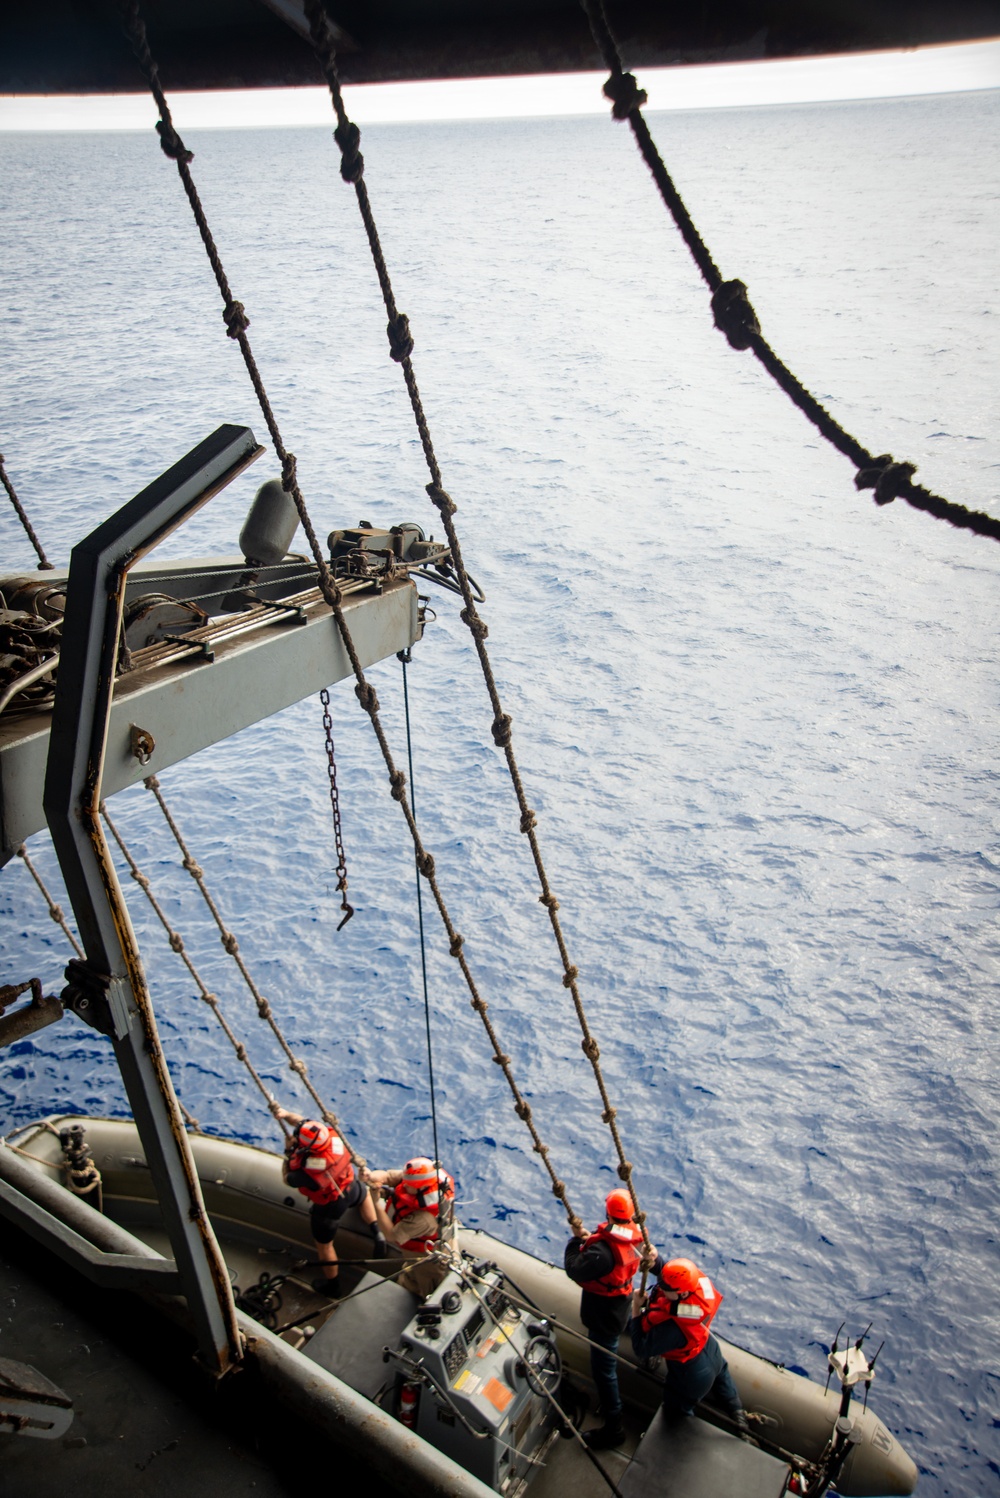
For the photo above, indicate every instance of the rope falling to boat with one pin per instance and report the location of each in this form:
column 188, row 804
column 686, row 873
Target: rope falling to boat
column 55, row 911
column 231, row 945
column 348, row 138
column 44, row 565
column 734, row 316
column 237, row 323
column 209, row 998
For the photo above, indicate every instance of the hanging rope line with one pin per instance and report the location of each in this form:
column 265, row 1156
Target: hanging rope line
column 338, row 836
column 348, row 138
column 237, row 323
column 177, row 945
column 734, row 316
column 405, row 658
column 44, row 565
column 55, row 911
column 231, row 945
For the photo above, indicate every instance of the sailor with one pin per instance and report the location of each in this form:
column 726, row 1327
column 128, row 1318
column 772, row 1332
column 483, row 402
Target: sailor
column 603, row 1263
column 417, row 1216
column 674, row 1326
column 318, row 1163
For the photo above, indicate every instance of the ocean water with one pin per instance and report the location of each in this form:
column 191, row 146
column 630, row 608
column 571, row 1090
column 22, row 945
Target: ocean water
column 756, row 715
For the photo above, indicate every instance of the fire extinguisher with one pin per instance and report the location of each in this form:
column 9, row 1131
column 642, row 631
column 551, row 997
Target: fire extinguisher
column 408, row 1396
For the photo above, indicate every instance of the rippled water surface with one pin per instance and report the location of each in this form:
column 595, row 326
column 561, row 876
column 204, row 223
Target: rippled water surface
column 756, row 715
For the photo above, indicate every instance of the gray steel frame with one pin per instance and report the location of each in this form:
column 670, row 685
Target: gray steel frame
column 95, row 597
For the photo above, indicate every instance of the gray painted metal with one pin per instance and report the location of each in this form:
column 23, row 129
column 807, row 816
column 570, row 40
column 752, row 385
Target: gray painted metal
column 111, row 1271
column 73, row 788
column 187, row 707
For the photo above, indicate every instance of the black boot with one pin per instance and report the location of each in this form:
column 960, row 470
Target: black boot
column 379, row 1246
column 333, row 1287
column 604, row 1437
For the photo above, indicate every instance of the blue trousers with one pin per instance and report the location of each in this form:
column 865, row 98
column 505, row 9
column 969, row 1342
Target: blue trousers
column 604, row 1367
column 704, row 1376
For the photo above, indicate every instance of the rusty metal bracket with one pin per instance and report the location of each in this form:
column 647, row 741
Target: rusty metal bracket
column 95, row 597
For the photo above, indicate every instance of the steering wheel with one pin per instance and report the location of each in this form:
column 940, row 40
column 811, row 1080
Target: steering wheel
column 542, row 1365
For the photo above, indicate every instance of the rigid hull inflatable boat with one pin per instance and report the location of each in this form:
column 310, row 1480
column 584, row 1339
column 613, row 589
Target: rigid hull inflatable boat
column 474, row 1373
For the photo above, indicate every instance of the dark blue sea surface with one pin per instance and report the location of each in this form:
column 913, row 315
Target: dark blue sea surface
column 757, row 716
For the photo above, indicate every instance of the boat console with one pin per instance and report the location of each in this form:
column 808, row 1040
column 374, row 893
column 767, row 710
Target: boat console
column 467, row 1370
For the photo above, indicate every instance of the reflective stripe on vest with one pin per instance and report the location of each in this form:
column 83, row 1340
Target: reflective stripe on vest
column 330, row 1171
column 693, row 1315
column 621, row 1238
column 404, row 1202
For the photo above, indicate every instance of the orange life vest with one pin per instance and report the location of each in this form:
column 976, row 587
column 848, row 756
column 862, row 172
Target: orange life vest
column 329, row 1169
column 693, row 1314
column 405, row 1200
column 621, row 1238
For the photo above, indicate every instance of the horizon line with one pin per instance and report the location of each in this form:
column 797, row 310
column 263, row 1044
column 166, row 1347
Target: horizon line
column 956, row 67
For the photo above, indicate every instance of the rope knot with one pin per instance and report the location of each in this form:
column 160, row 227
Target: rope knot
column 609, row 1115
column 887, row 477
column 241, row 1052
column 140, row 879
column 478, row 627
column 211, row 999
column 500, row 729
column 625, row 94
column 194, row 869
column 575, row 1222
column 523, row 1110
column 479, row 1005
column 570, row 976
column 559, row 1190
column 151, row 783
column 397, row 782
column 56, row 912
column 230, row 944
column 176, row 940
column 640, row 1218
column 733, row 314
column 457, row 943
column 263, row 1009
column 400, row 338
column 288, row 466
column 501, row 1059
column 297, row 1066
column 590, row 1048
column 442, row 499
column 171, row 144
column 425, row 864
column 625, row 1170
column 235, row 317
column 549, row 901
column 352, row 163
column 365, row 693
column 528, row 820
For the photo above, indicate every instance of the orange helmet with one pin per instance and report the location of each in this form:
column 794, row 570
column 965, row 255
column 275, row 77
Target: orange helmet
column 619, row 1208
column 418, row 1173
column 313, row 1135
column 680, row 1274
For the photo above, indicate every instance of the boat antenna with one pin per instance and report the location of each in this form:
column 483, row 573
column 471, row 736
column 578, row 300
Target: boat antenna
column 405, row 658
column 833, row 1349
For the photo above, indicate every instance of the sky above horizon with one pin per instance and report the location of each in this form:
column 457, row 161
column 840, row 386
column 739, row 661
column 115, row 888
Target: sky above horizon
column 957, row 68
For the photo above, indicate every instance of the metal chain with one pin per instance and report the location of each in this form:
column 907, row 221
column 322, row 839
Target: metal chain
column 734, row 316
column 177, row 945
column 231, row 945
column 44, row 565
column 338, row 838
column 348, row 136
column 55, row 911
column 237, row 322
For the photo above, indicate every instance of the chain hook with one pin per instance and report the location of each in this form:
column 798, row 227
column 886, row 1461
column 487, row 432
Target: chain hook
column 348, row 909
